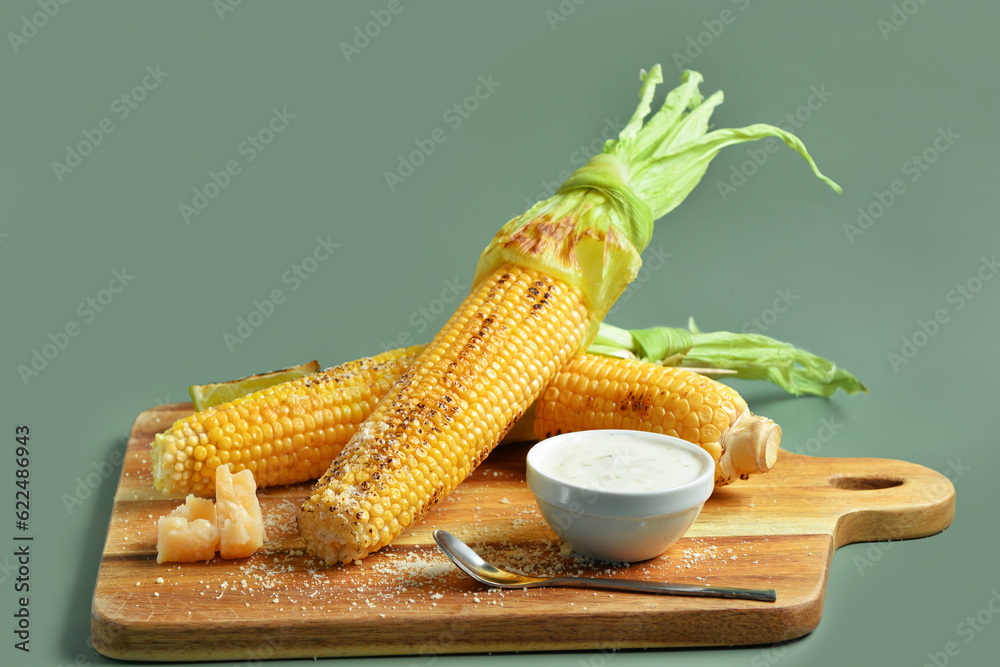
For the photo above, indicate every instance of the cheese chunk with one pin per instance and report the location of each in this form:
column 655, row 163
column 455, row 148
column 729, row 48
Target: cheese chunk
column 241, row 526
column 189, row 533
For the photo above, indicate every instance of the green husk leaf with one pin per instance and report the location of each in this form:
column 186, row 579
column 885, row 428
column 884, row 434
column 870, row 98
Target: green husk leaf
column 614, row 338
column 591, row 232
column 662, row 342
column 751, row 356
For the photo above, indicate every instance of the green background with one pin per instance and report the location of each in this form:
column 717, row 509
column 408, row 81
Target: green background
column 889, row 92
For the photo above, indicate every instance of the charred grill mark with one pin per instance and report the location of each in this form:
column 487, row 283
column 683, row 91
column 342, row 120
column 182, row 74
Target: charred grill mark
column 636, row 403
column 478, row 346
column 479, row 459
column 510, row 424
column 351, row 372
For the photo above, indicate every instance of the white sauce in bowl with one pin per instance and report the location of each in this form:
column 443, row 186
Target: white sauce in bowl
column 622, row 463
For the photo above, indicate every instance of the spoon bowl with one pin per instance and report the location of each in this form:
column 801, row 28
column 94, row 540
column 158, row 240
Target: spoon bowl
column 470, row 562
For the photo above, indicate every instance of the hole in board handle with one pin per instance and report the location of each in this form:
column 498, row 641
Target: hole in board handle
column 869, row 483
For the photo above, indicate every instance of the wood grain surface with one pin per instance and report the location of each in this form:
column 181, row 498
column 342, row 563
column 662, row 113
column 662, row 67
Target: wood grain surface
column 778, row 530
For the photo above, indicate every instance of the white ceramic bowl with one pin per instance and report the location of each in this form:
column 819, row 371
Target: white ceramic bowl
column 616, row 525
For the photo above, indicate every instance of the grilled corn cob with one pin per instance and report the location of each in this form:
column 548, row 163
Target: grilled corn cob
column 543, row 285
column 446, row 413
column 594, row 392
column 283, row 434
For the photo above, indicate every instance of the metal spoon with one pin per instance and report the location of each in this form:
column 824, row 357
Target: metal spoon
column 469, row 562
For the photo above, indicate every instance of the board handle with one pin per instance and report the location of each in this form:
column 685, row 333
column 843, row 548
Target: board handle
column 884, row 500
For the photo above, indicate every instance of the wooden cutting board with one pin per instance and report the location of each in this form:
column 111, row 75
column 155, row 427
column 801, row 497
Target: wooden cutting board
column 774, row 531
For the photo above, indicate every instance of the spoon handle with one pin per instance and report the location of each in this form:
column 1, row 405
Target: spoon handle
column 663, row 588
